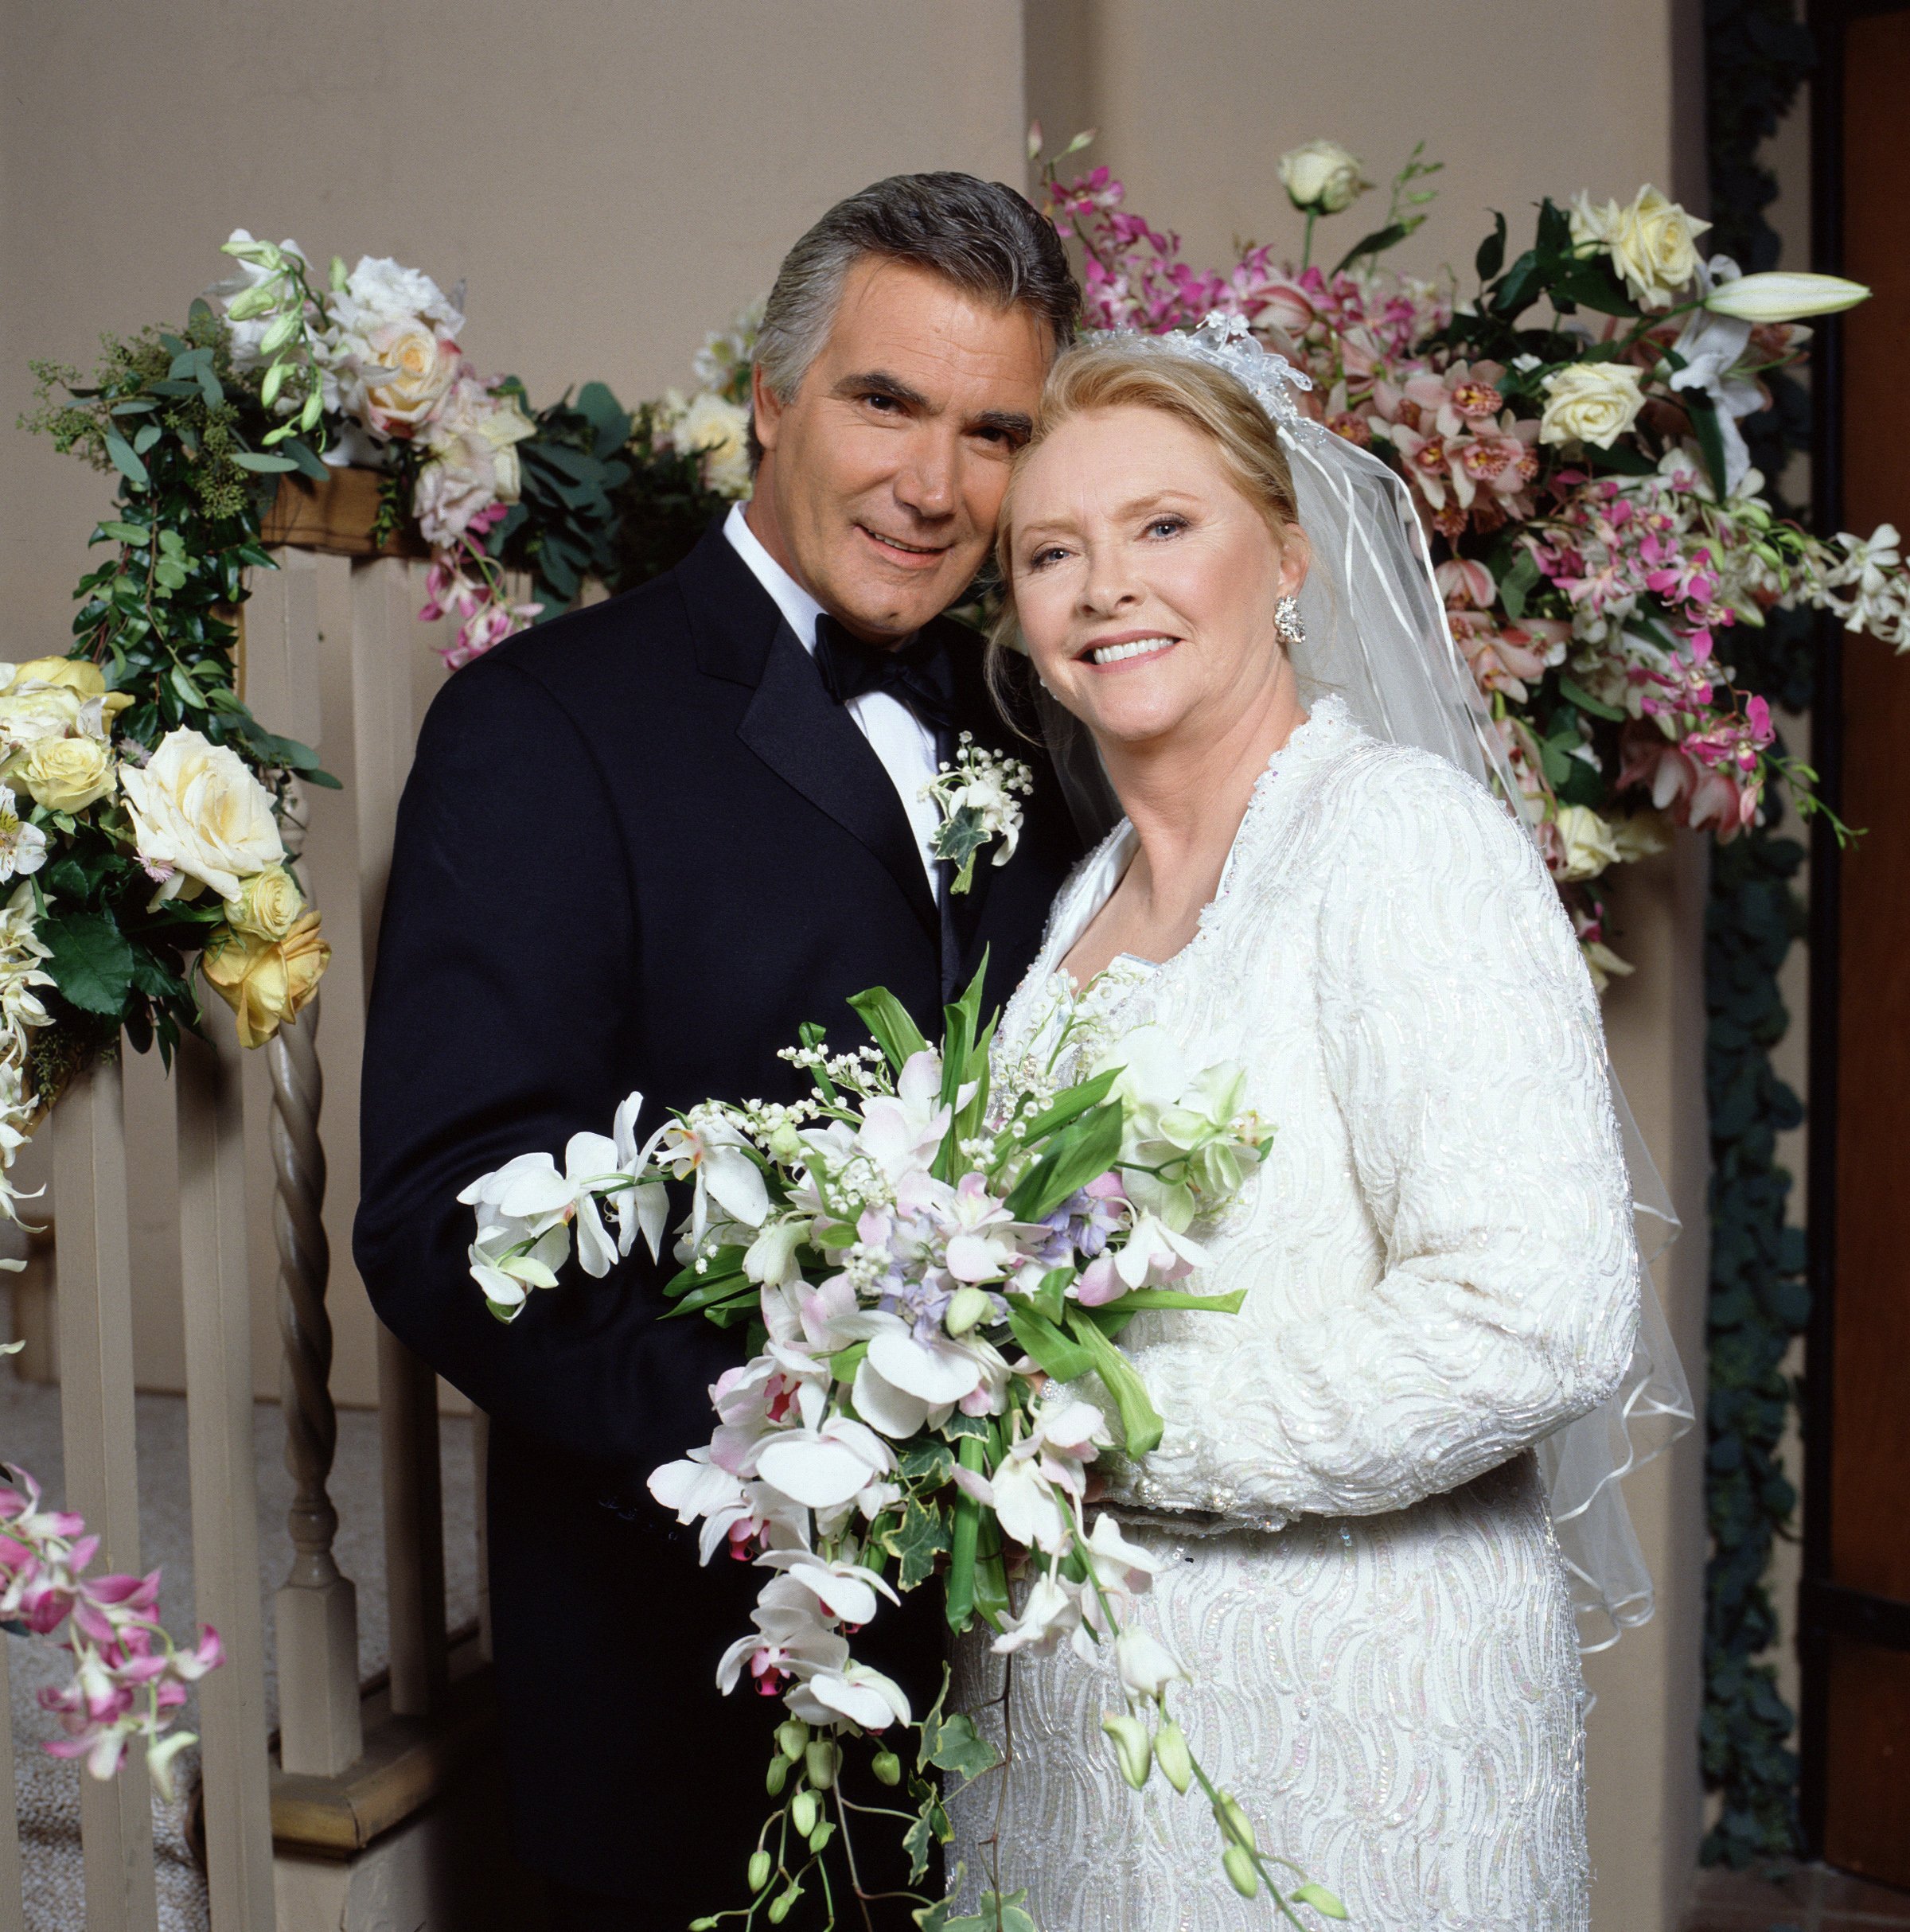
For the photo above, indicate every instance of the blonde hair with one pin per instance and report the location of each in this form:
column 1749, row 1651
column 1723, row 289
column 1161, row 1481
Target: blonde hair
column 1098, row 376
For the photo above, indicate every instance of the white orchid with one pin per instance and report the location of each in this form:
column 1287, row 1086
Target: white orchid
column 709, row 1148
column 902, row 1135
column 1145, row 1665
column 828, row 1459
column 1051, row 1610
column 855, row 1691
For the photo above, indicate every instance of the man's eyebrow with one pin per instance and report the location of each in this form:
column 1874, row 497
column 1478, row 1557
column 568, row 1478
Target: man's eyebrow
column 878, row 382
column 1011, row 421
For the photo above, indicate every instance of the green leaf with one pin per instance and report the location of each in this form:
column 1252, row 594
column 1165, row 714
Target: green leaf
column 1137, row 1300
column 1491, row 256
column 254, row 460
column 960, row 1588
column 1064, row 1360
column 146, row 438
column 302, row 455
column 1376, row 243
column 1072, row 1104
column 930, row 1829
column 1596, row 707
column 1077, row 1154
column 951, row 1743
column 929, row 1459
column 135, row 534
column 1519, row 288
column 1517, row 584
column 1703, row 413
column 888, row 1021
column 1140, row 1424
column 91, row 963
column 125, row 462
column 921, row 1537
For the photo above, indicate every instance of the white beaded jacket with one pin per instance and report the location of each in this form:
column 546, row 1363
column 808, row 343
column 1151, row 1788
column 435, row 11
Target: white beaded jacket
column 1437, row 1252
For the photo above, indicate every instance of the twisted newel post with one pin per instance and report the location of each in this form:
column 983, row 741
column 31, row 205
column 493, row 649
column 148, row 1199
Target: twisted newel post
column 316, row 1609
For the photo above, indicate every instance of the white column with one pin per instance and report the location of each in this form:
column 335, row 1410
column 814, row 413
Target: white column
column 96, row 1303
column 224, row 1485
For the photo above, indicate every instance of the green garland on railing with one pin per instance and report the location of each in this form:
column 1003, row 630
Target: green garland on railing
column 1756, row 55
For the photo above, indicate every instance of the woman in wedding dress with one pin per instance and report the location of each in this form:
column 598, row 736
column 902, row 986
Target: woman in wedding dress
column 1359, row 1568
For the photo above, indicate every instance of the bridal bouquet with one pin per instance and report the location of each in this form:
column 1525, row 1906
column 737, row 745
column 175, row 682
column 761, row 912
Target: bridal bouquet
column 935, row 1263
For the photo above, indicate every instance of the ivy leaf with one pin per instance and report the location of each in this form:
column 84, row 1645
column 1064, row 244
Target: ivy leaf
column 951, row 1743
column 930, row 1829
column 922, row 1536
column 930, row 1460
column 91, row 963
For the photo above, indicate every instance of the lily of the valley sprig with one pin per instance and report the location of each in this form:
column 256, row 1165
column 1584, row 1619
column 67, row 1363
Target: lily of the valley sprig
column 975, row 796
column 936, row 1257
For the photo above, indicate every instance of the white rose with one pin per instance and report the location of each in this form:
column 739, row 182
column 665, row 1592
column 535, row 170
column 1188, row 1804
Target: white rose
column 1591, row 402
column 718, row 430
column 1321, row 177
column 1589, row 846
column 1653, row 243
column 199, row 814
column 380, row 289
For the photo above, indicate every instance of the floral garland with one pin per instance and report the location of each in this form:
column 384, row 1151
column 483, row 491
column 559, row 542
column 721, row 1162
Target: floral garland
column 1602, row 534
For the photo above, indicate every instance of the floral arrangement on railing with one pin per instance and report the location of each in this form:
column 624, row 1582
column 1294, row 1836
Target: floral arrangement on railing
column 130, row 1679
column 936, row 1252
column 1569, row 429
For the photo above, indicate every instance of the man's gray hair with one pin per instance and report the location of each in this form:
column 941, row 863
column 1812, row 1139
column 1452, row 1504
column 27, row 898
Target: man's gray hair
column 983, row 237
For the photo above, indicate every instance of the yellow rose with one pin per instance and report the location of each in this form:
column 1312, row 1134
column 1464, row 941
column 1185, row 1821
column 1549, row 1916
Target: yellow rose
column 266, row 982
column 1590, row 402
column 267, row 905
column 1640, row 836
column 200, row 817
column 77, row 677
column 1653, row 243
column 32, row 711
column 1589, row 846
column 66, row 774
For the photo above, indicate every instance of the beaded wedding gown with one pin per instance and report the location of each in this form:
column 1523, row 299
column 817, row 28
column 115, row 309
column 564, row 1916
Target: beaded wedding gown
column 1440, row 1269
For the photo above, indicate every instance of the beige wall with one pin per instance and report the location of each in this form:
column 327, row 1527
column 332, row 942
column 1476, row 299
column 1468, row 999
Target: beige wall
column 613, row 177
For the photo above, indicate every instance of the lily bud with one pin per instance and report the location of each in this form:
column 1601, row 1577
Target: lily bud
column 802, row 1813
column 819, row 1760
column 1784, row 296
column 1171, row 1752
column 282, row 329
column 249, row 302
column 315, row 407
column 887, row 1768
column 759, row 1869
column 791, row 1736
column 340, row 275
column 273, row 382
column 703, row 1925
column 1133, row 1750
column 1241, row 1874
column 967, row 1305
column 1233, row 1822
column 1322, row 1901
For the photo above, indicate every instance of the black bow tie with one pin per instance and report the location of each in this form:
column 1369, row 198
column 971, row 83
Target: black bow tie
column 918, row 673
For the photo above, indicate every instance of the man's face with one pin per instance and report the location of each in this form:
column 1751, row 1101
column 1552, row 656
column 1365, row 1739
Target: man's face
column 882, row 476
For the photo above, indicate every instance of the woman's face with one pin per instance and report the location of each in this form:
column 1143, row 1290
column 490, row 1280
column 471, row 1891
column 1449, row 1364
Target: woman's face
column 1144, row 582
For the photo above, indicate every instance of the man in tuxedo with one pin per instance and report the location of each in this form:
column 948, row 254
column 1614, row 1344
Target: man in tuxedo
column 639, row 846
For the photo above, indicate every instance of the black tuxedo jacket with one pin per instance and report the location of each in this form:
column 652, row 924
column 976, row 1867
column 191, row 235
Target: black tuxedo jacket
column 639, row 846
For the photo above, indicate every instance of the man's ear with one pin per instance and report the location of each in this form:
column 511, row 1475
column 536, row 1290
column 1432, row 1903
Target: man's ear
column 766, row 408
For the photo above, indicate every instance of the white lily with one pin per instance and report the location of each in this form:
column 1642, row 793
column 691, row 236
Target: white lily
column 1053, row 1610
column 861, row 1695
column 828, row 1460
column 1784, row 296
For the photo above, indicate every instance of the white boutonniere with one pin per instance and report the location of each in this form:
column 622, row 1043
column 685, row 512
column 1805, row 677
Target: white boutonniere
column 975, row 796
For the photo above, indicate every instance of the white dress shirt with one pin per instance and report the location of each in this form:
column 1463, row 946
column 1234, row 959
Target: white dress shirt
column 905, row 745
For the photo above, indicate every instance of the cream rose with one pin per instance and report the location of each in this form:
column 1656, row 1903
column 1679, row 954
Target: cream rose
column 267, row 906
column 65, row 774
column 1321, row 177
column 1653, row 243
column 200, row 818
column 1591, row 402
column 404, row 370
column 266, row 982
column 718, row 430
column 473, row 441
column 1588, row 846
column 29, row 712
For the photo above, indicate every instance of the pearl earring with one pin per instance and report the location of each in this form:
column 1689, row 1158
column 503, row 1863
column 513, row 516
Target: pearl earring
column 1287, row 626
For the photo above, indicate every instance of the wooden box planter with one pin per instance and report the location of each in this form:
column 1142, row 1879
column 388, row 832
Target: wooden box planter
column 338, row 516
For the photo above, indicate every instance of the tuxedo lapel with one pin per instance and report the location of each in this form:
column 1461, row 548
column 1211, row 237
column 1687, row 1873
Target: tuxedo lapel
column 811, row 741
